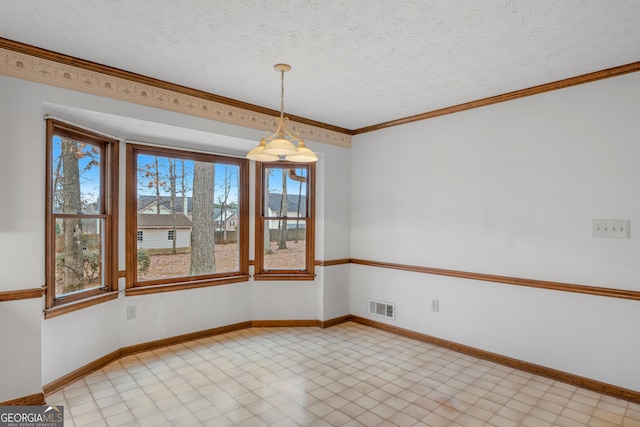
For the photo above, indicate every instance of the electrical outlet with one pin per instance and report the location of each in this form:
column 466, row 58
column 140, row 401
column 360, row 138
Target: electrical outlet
column 131, row 312
column 435, row 305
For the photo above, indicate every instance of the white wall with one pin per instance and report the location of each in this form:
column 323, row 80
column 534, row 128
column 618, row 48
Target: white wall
column 333, row 232
column 50, row 349
column 509, row 189
column 327, row 296
column 20, row 348
column 21, row 238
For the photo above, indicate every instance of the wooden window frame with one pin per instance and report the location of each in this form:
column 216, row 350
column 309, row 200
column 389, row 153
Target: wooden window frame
column 109, row 213
column 135, row 287
column 260, row 273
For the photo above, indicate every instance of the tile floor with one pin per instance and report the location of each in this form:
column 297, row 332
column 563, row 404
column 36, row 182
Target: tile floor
column 346, row 375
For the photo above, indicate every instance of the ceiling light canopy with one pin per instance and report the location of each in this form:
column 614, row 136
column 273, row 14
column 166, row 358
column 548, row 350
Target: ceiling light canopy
column 281, row 144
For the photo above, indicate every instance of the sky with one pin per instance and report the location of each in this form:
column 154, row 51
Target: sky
column 90, row 176
column 147, row 163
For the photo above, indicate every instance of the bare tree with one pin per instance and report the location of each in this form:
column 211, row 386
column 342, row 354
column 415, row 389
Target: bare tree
column 151, row 178
column 203, row 260
column 284, row 210
column 73, row 267
column 172, row 203
column 184, row 188
column 223, row 200
column 267, row 223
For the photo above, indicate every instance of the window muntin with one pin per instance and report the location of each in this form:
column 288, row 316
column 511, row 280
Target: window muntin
column 80, row 237
column 177, row 199
column 284, row 220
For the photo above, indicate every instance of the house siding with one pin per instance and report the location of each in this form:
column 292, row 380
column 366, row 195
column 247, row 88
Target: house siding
column 157, row 238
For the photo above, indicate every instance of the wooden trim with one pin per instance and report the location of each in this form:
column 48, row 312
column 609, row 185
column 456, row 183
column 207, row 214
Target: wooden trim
column 21, row 294
column 79, row 305
column 108, row 211
column 284, row 277
column 244, row 218
column 260, row 273
column 122, row 274
column 331, row 262
column 336, row 321
column 129, row 350
column 112, row 206
column 535, row 90
column 171, row 287
column 284, row 323
column 31, row 400
column 532, row 283
column 81, row 372
column 565, row 377
column 138, row 78
column 131, row 216
column 134, row 286
column 165, row 342
column 92, row 67
column 49, row 234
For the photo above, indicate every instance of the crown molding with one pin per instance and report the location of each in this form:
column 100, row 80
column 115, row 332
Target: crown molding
column 43, row 66
column 535, row 90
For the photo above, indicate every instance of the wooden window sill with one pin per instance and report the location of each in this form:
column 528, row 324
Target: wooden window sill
column 170, row 287
column 285, row 277
column 79, row 305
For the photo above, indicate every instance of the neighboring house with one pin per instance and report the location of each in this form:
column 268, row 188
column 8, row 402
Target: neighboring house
column 156, row 231
column 296, row 207
column 152, row 209
column 149, row 205
column 230, row 222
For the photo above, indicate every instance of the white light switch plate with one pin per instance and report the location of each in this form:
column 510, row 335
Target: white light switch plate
column 612, row 228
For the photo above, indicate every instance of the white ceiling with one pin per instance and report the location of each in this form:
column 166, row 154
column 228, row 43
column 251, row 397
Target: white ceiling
column 355, row 63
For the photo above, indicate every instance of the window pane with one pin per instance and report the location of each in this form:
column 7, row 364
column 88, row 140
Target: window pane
column 187, row 217
column 285, row 245
column 76, row 176
column 287, row 192
column 79, row 255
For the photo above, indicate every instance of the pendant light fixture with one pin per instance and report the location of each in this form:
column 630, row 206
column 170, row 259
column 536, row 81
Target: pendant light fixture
column 281, row 144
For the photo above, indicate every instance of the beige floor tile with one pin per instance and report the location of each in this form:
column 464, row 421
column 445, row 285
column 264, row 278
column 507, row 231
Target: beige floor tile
column 121, row 419
column 347, row 375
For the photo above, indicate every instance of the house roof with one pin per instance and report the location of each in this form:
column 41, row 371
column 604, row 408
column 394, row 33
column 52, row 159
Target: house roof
column 275, row 201
column 145, row 201
column 164, row 221
column 230, row 213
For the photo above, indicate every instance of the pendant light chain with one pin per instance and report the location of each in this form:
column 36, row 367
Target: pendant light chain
column 281, row 144
column 281, row 94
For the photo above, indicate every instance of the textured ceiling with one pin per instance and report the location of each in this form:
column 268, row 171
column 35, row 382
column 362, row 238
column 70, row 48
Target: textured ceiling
column 355, row 63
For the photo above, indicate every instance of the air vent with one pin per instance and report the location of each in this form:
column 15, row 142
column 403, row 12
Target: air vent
column 382, row 309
